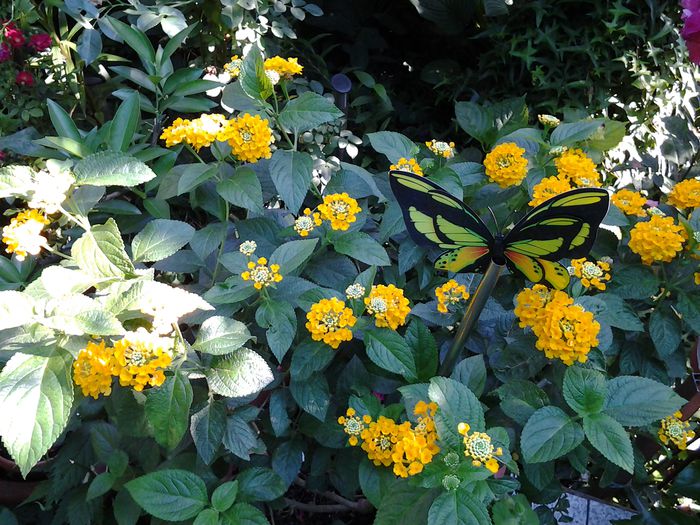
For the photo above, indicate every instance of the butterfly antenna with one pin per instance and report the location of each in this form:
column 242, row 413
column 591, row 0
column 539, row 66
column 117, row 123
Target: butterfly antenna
column 495, row 220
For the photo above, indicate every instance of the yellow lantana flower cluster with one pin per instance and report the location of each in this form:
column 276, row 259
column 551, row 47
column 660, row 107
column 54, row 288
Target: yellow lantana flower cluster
column 409, row 448
column 506, row 164
column 685, row 194
column 261, row 274
column 443, row 149
column 249, row 136
column 409, row 165
column 630, row 202
column 233, row 67
column 138, row 359
column 479, row 447
column 284, row 67
column 449, row 294
column 339, row 209
column 675, row 430
column 92, row 370
column 329, row 320
column 574, row 170
column 388, row 306
column 564, row 330
column 305, row 224
column 592, row 274
column 659, row 239
column 23, row 235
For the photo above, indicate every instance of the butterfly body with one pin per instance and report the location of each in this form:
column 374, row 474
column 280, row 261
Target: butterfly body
column 563, row 226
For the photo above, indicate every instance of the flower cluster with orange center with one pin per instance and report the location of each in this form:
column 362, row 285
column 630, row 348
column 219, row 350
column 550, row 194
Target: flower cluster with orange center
column 592, row 274
column 406, row 446
column 564, row 330
column 330, row 321
column 449, row 294
column 506, row 164
column 478, row 446
column 659, row 239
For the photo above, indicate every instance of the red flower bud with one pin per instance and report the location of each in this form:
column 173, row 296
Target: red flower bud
column 14, row 35
column 40, row 42
column 25, row 79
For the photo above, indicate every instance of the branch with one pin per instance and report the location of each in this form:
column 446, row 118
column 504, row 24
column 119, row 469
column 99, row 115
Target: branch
column 310, row 507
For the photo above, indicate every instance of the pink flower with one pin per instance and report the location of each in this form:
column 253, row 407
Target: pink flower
column 40, row 42
column 691, row 29
column 25, row 79
column 5, row 52
column 13, row 35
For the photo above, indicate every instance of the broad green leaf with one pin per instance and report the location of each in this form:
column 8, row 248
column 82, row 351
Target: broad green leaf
column 613, row 310
column 291, row 255
column 168, row 410
column 36, row 395
column 126, row 510
column 176, row 41
column 100, row 252
column 363, row 247
column 388, row 350
column 111, row 168
column 474, row 119
column 221, row 335
column 634, row 282
column 16, row 309
column 239, row 438
column 194, row 87
column 279, row 419
column 584, row 390
column 549, row 434
column 89, row 45
column 78, row 315
column 422, row 343
column 312, row 394
column 610, row 439
column 259, row 484
column 207, row 517
column 638, row 401
column 124, row 123
column 287, row 460
column 243, row 514
column 291, row 173
column 62, row 123
column 471, row 372
column 403, row 500
column 242, row 189
column 100, row 485
column 15, row 180
column 224, row 495
column 568, row 134
column 253, row 79
column 458, row 508
column 392, row 145
column 281, row 323
column 171, row 495
column 241, row 374
column 207, row 428
column 689, row 307
column 457, row 404
column 309, row 357
column 687, row 482
column 160, row 239
column 135, row 39
column 665, row 331
column 308, row 111
column 514, row 510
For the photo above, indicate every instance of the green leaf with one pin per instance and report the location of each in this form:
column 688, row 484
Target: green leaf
column 471, row 372
column 312, row 394
column 100, row 485
column 584, row 390
column 100, row 252
column 168, row 410
column 423, row 346
column 610, row 439
column 388, row 350
column 160, row 239
column 291, row 173
column 393, row 145
column 259, row 484
column 16, row 309
column 308, row 111
column 207, row 428
column 89, row 45
column 207, row 517
column 241, row 374
column 124, row 123
column 135, row 39
column 291, row 255
column 194, row 87
column 687, row 482
column 171, row 495
column 242, row 189
column 287, row 460
column 689, row 308
column 221, row 335
column 175, row 42
column 281, row 323
column 638, row 401
column 253, row 79
column 613, row 310
column 514, row 510
column 458, row 508
column 574, row 132
column 111, row 168
column 549, row 434
column 243, row 514
column 474, row 119
column 403, row 500
column 457, row 404
column 310, row 357
column 363, row 247
column 36, row 393
column 239, row 438
column 665, row 331
column 224, row 495
column 62, row 123
column 634, row 282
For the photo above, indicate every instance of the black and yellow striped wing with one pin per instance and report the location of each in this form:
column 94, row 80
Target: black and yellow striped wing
column 565, row 226
column 433, row 217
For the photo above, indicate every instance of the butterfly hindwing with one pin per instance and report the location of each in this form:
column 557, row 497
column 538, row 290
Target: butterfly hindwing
column 433, row 217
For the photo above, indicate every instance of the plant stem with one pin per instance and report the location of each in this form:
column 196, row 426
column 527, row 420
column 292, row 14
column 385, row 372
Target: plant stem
column 222, row 245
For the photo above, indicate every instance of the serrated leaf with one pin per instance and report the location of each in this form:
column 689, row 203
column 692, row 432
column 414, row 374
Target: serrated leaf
column 242, row 189
column 291, row 255
column 610, row 439
column 171, row 495
column 239, row 438
column 224, row 495
column 221, row 335
column 36, row 393
column 457, row 404
column 388, row 350
column 100, row 252
column 168, row 410
column 207, row 428
column 291, row 173
column 111, row 168
column 458, row 508
column 584, row 389
column 549, row 434
column 637, row 401
column 363, row 247
column 239, row 375
column 160, row 239
column 568, row 134
column 308, row 111
column 665, row 331
column 259, row 484
column 312, row 395
column 243, row 514
column 474, row 119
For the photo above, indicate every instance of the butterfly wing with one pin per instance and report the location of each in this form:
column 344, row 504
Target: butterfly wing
column 433, row 217
column 563, row 226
